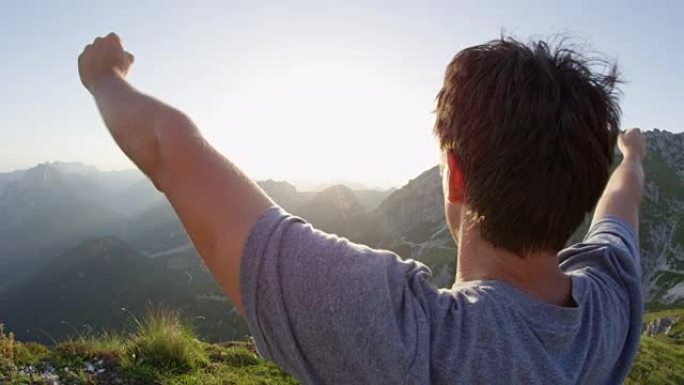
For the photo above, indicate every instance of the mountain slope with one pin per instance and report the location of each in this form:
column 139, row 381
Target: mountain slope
column 88, row 286
column 662, row 224
column 45, row 211
column 413, row 222
column 78, row 220
column 336, row 210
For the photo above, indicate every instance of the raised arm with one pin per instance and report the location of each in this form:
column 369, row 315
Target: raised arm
column 622, row 196
column 216, row 202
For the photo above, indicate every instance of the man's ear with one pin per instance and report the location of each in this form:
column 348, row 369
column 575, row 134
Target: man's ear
column 454, row 179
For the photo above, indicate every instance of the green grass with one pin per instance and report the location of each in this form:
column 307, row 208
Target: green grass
column 162, row 341
column 163, row 350
column 661, row 358
column 30, row 353
column 659, row 362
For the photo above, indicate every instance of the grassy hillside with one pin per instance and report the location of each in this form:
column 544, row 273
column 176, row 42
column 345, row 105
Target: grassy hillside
column 661, row 357
column 159, row 350
column 162, row 350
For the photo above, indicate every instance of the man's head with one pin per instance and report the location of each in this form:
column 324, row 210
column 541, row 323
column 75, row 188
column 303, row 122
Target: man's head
column 529, row 133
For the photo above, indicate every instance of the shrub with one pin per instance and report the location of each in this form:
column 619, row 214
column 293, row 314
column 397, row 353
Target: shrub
column 72, row 353
column 7, row 344
column 30, row 353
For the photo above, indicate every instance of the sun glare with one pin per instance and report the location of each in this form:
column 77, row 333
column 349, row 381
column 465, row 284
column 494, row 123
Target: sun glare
column 330, row 121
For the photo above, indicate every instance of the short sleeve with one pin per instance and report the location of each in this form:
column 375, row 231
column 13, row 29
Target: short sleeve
column 327, row 310
column 615, row 232
column 606, row 269
column 610, row 247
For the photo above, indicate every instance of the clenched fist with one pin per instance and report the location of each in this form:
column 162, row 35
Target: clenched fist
column 632, row 143
column 102, row 59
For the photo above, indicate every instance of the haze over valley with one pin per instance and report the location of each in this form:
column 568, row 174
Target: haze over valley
column 78, row 245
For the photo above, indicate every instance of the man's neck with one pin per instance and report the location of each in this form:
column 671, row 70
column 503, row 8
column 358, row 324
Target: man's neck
column 536, row 274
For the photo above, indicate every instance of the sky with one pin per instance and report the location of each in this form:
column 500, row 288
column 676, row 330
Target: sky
column 304, row 90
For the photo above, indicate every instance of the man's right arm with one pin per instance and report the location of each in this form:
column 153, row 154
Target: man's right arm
column 216, row 202
column 622, row 195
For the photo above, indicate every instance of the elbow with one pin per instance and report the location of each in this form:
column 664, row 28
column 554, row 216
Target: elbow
column 175, row 140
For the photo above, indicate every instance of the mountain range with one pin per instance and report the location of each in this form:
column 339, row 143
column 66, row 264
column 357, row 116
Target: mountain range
column 83, row 249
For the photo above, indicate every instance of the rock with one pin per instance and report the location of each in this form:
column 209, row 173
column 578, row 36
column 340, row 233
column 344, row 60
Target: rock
column 660, row 326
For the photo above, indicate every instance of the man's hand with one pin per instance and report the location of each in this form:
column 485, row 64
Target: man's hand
column 104, row 58
column 622, row 196
column 632, row 143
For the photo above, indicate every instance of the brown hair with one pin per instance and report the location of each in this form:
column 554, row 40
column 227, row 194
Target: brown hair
column 533, row 129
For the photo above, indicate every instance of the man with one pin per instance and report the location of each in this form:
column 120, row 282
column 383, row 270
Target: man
column 528, row 136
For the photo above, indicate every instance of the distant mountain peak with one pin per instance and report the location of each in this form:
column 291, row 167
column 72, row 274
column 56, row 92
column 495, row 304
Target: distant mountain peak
column 43, row 174
column 277, row 186
column 339, row 196
column 74, row 167
column 48, row 173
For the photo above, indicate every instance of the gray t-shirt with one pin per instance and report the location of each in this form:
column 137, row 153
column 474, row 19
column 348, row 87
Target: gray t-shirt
column 333, row 312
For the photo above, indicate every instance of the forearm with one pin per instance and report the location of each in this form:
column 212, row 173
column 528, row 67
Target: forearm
column 143, row 126
column 622, row 195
